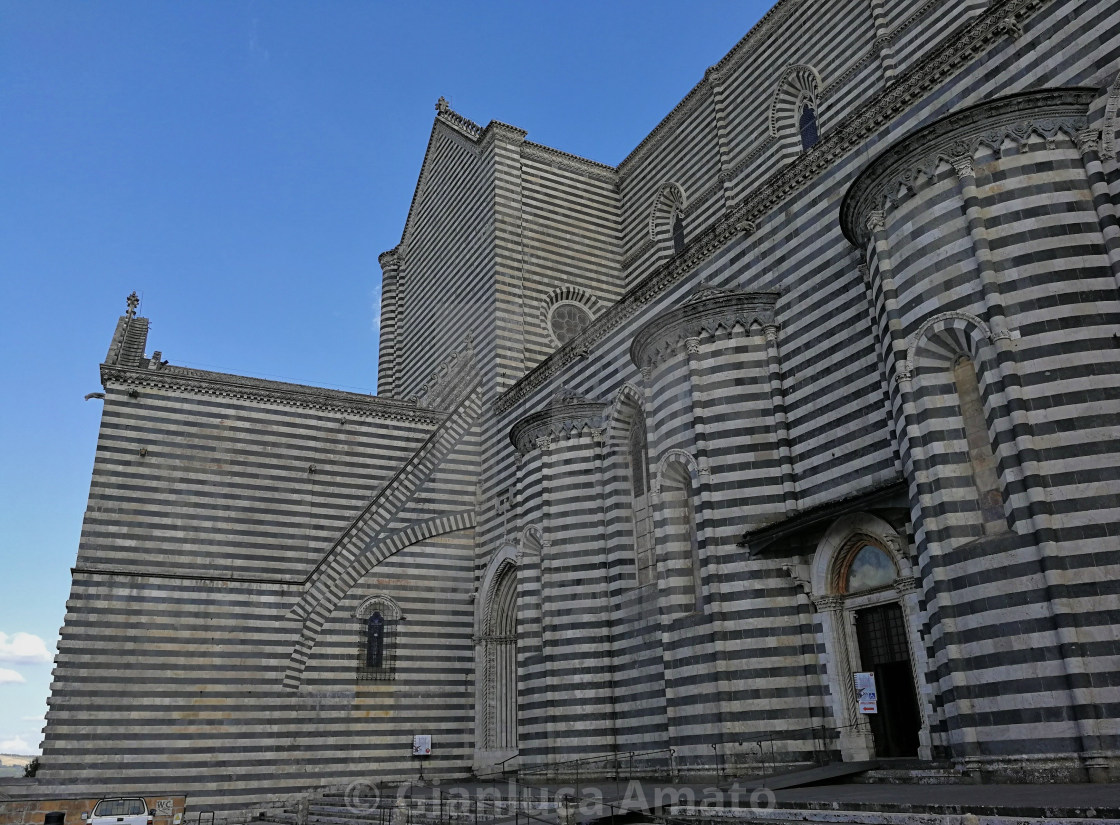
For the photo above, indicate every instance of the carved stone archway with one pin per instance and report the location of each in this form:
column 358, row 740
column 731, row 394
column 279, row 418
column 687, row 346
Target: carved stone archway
column 837, row 611
column 496, row 662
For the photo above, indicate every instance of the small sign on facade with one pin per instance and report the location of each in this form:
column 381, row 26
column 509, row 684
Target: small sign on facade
column 866, row 694
column 164, row 807
column 422, row 744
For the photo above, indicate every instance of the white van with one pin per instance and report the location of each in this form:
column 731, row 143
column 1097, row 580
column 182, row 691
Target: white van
column 123, row 810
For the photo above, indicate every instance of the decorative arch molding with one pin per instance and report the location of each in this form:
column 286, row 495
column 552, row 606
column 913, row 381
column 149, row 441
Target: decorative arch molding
column 531, row 540
column 675, row 456
column 570, row 295
column 504, row 561
column 381, row 603
column 669, row 200
column 708, row 311
column 942, row 339
column 900, row 171
column 840, row 535
column 798, row 84
column 626, row 401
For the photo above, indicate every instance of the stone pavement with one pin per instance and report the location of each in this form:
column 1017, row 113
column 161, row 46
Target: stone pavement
column 1083, row 800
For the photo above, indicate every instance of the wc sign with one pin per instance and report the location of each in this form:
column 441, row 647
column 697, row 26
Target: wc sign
column 866, row 695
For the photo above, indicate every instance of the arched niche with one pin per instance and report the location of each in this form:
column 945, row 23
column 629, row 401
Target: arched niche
column 496, row 632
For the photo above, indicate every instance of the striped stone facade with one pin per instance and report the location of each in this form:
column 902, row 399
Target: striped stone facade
column 822, row 379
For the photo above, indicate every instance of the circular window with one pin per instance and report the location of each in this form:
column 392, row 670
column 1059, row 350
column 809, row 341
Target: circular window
column 869, row 569
column 566, row 321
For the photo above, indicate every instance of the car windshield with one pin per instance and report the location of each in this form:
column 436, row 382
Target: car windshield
column 119, row 807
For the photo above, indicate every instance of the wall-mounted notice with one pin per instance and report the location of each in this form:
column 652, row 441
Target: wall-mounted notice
column 866, row 694
column 422, row 744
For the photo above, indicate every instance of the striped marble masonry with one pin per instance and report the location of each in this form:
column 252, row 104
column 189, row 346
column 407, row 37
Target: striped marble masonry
column 664, row 453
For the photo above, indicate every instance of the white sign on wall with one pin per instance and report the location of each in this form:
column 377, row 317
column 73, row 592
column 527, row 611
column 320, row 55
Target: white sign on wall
column 422, row 744
column 867, row 696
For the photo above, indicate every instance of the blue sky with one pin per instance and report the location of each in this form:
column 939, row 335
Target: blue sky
column 241, row 164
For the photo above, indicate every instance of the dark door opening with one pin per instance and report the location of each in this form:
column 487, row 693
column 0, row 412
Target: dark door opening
column 881, row 632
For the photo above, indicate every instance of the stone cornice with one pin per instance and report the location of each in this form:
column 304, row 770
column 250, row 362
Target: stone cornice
column 259, row 390
column 569, row 162
column 987, row 29
column 459, row 123
column 954, row 139
column 390, row 259
column 565, row 415
column 705, row 312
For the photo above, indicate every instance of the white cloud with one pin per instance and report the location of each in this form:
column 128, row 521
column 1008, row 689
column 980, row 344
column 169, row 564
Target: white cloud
column 17, row 744
column 10, row 677
column 23, row 649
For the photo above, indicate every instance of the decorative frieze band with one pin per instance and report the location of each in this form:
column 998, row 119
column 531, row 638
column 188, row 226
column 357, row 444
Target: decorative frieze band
column 706, row 311
column 173, row 379
column 566, row 414
column 954, row 139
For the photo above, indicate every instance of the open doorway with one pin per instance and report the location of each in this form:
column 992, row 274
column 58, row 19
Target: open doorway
column 881, row 636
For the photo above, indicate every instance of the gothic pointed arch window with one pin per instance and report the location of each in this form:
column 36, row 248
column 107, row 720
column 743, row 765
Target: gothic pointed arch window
column 378, row 618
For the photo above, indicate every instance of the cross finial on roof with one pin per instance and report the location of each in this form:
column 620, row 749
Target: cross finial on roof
column 442, row 105
column 133, row 302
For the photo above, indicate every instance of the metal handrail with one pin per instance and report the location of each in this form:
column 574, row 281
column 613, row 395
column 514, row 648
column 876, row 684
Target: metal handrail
column 616, row 756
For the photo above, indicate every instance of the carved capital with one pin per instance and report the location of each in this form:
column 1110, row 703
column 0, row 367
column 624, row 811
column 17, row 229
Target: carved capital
column 876, row 221
column 865, row 273
column 544, row 443
column 829, row 604
column 964, row 166
column 1089, row 140
column 771, row 333
column 906, row 584
column 903, row 370
column 692, row 346
column 745, row 226
column 647, row 373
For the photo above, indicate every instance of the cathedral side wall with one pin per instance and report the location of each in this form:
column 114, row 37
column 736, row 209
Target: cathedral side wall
column 570, row 232
column 174, row 682
column 207, row 484
column 207, row 511
column 844, row 429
